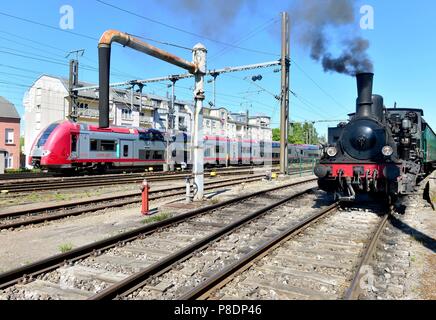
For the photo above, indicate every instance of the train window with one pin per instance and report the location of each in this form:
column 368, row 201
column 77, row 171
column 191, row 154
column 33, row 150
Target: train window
column 147, row 154
column 217, row 149
column 157, row 136
column 125, row 150
column 107, row 145
column 93, row 145
column 73, row 143
column 158, row 155
column 46, row 134
column 207, row 152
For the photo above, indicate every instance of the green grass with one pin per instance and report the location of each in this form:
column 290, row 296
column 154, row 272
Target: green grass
column 22, row 170
column 60, row 196
column 157, row 218
column 215, row 200
column 65, row 247
column 33, row 196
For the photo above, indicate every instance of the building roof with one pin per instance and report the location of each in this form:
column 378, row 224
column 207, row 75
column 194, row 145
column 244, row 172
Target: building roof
column 7, row 109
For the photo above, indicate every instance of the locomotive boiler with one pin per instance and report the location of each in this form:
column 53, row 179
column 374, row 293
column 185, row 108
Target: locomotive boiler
column 379, row 150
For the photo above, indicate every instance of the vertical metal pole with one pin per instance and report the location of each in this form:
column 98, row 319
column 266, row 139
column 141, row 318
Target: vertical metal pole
column 199, row 58
column 173, row 109
column 132, row 93
column 313, row 132
column 284, row 110
column 214, row 92
column 73, row 82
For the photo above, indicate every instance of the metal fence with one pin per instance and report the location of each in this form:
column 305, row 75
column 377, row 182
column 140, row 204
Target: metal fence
column 302, row 165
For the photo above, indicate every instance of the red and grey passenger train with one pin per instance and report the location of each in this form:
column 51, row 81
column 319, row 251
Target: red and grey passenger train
column 67, row 146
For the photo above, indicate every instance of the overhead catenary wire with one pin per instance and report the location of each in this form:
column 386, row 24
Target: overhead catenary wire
column 318, row 86
column 185, row 31
column 246, row 37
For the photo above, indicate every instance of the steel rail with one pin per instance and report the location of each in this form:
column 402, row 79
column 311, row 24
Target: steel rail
column 227, row 274
column 14, row 276
column 354, row 290
column 42, row 177
column 138, row 280
column 155, row 194
column 102, row 181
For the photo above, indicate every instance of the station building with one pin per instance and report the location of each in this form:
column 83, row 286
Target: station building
column 47, row 101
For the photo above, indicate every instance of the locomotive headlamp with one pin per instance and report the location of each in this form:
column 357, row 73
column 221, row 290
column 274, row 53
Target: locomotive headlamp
column 387, row 151
column 45, row 153
column 331, row 151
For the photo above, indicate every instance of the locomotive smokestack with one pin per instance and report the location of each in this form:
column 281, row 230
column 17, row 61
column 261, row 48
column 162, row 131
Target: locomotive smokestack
column 104, row 57
column 364, row 94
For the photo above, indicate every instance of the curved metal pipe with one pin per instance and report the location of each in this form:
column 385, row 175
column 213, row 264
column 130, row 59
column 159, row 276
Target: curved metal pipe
column 104, row 53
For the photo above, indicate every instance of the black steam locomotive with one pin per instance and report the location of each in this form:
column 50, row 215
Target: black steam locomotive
column 379, row 150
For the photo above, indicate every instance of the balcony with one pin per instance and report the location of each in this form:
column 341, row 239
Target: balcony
column 87, row 113
column 145, row 119
column 90, row 113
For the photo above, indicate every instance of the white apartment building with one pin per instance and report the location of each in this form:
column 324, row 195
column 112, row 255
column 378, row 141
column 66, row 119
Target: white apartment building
column 222, row 122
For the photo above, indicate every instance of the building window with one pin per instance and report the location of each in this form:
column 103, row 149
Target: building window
column 9, row 136
column 9, row 161
column 126, row 114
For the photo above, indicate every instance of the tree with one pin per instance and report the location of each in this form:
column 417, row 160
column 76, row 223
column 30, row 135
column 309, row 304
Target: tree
column 276, row 134
column 299, row 133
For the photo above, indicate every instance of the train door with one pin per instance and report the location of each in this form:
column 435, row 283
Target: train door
column 83, row 147
column 126, row 152
column 74, row 146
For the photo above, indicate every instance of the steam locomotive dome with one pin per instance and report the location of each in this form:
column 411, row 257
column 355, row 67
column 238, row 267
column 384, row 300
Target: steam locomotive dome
column 363, row 139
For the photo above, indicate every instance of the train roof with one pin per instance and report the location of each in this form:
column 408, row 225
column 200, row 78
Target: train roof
column 115, row 129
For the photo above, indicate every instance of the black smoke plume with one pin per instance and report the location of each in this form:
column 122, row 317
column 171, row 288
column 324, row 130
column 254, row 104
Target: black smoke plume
column 211, row 16
column 312, row 20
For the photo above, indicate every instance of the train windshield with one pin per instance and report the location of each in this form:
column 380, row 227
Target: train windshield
column 42, row 140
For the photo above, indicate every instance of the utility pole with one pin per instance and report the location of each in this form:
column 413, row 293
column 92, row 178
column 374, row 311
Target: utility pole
column 214, row 75
column 73, row 82
column 170, row 123
column 313, row 132
column 284, row 110
column 199, row 59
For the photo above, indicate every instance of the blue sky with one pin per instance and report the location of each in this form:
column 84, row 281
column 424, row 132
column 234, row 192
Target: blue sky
column 402, row 48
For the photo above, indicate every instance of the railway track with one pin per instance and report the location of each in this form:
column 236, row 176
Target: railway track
column 264, row 253
column 85, row 271
column 106, row 180
column 14, row 217
column 322, row 257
